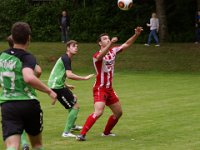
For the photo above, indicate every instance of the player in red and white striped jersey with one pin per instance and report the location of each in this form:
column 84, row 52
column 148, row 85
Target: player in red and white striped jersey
column 104, row 95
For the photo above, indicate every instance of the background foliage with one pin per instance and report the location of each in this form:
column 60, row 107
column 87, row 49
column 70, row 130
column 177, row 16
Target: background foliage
column 89, row 18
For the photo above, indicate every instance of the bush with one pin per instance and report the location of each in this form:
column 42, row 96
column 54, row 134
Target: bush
column 91, row 18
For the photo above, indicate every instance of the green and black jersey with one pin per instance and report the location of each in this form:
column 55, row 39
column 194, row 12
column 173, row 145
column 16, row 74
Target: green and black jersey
column 12, row 61
column 58, row 74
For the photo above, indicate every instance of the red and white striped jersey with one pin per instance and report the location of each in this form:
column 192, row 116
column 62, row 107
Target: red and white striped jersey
column 105, row 67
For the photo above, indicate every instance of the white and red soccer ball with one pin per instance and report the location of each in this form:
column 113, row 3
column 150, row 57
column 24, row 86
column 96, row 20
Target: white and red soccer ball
column 125, row 4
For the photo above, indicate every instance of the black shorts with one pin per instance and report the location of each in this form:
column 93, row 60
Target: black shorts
column 21, row 115
column 65, row 97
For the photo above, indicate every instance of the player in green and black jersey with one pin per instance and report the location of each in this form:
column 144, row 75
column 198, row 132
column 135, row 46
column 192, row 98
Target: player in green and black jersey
column 59, row 73
column 38, row 72
column 20, row 108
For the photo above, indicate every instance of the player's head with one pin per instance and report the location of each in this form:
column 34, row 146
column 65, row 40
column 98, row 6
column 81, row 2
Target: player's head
column 10, row 41
column 153, row 15
column 64, row 13
column 103, row 39
column 72, row 46
column 21, row 32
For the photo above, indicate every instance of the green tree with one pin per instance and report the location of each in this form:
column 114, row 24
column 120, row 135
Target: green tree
column 198, row 4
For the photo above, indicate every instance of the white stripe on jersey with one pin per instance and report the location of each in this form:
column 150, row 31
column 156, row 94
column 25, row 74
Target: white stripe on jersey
column 105, row 67
column 108, row 80
column 102, row 75
column 54, row 82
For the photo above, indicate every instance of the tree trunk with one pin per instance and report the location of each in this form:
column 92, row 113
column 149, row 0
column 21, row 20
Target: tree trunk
column 160, row 10
column 198, row 4
column 75, row 3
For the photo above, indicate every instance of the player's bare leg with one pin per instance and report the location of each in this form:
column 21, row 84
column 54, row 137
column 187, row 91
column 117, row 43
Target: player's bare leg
column 113, row 119
column 13, row 142
column 98, row 111
column 36, row 141
column 99, row 108
column 116, row 109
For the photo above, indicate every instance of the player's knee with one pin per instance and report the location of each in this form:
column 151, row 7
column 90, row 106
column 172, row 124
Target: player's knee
column 76, row 106
column 98, row 113
column 118, row 114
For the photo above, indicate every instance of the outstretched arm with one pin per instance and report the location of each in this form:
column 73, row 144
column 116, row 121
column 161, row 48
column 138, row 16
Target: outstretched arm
column 105, row 50
column 73, row 76
column 132, row 39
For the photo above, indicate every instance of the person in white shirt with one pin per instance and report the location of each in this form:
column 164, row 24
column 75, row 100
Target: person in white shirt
column 154, row 28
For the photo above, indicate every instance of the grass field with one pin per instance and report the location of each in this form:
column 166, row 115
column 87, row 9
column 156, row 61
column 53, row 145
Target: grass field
column 160, row 103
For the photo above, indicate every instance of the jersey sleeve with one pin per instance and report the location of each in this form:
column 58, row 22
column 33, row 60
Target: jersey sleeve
column 66, row 62
column 95, row 55
column 117, row 49
column 29, row 61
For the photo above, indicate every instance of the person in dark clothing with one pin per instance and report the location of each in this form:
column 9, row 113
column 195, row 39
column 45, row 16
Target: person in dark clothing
column 64, row 26
column 197, row 30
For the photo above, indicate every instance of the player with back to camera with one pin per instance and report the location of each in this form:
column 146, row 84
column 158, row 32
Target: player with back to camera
column 38, row 72
column 18, row 83
column 38, row 69
column 62, row 70
column 103, row 92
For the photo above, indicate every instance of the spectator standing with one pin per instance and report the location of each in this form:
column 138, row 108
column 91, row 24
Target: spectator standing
column 64, row 26
column 197, row 30
column 154, row 28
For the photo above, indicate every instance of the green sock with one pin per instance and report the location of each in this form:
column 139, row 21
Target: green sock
column 71, row 119
column 23, row 138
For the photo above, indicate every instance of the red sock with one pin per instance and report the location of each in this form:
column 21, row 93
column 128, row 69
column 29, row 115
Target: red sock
column 112, row 121
column 89, row 123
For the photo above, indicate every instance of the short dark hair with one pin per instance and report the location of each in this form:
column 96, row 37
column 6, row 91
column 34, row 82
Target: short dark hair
column 10, row 41
column 99, row 38
column 20, row 32
column 71, row 42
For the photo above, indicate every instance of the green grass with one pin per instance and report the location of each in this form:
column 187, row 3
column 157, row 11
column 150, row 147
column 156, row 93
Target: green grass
column 161, row 112
column 158, row 89
column 169, row 57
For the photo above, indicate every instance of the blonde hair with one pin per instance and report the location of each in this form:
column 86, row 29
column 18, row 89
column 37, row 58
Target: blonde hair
column 154, row 15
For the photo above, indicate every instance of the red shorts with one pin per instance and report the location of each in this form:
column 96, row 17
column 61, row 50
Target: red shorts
column 105, row 95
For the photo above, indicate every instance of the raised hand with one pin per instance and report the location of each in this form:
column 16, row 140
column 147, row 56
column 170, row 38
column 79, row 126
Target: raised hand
column 138, row 30
column 53, row 96
column 114, row 39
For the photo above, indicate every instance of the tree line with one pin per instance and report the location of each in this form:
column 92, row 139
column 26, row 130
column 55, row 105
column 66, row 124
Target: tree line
column 89, row 18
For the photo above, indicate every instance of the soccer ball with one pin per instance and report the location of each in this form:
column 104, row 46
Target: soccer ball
column 125, row 4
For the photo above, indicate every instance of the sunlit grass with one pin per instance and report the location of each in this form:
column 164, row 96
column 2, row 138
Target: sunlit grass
column 158, row 88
